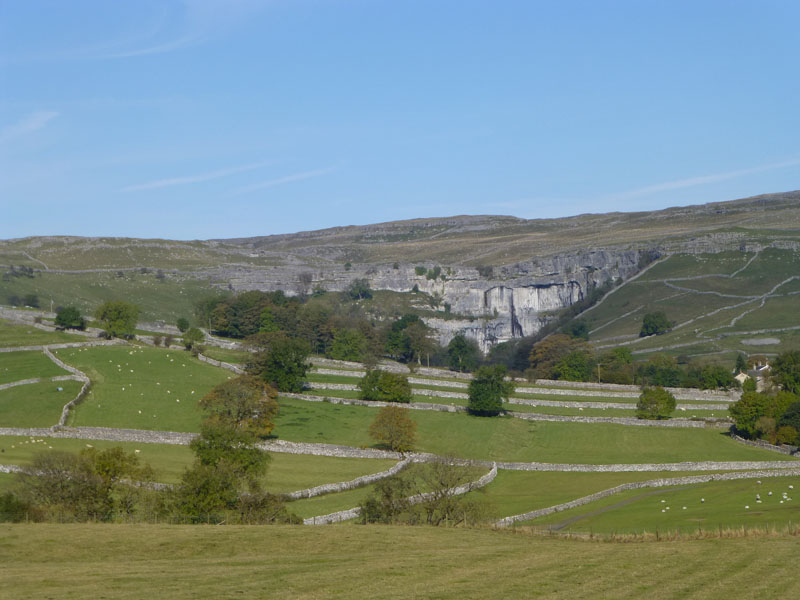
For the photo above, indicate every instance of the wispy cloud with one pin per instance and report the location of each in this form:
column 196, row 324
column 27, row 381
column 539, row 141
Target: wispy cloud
column 689, row 182
column 199, row 178
column 28, row 124
column 282, row 180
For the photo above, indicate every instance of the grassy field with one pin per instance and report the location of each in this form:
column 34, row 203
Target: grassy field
column 16, row 366
column 13, row 335
column 225, row 355
column 517, row 492
column 285, row 473
column 686, row 508
column 36, row 404
column 352, row 561
column 142, row 387
column 505, row 438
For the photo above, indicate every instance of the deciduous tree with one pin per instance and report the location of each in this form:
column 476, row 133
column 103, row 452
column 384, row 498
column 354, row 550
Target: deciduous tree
column 394, row 427
column 655, row 403
column 488, row 390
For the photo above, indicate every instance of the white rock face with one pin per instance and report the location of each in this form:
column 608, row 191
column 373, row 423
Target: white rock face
column 512, row 302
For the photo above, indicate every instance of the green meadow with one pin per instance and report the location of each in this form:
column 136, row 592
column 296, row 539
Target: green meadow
column 36, row 404
column 713, row 505
column 16, row 366
column 140, row 387
column 380, row 562
column 13, row 335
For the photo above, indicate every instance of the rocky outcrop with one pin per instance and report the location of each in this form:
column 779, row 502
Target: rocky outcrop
column 489, row 306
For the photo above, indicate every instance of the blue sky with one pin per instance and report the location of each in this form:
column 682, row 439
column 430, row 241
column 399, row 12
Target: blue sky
column 204, row 118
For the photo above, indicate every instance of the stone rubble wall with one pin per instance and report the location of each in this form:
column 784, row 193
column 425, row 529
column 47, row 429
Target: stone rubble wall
column 786, row 449
column 699, row 423
column 653, row 483
column 649, row 467
column 346, row 515
column 550, row 387
column 331, row 488
column 223, row 365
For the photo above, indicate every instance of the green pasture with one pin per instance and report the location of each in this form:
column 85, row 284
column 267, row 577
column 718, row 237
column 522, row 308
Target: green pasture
column 166, row 299
column 510, row 439
column 518, row 492
column 140, row 387
column 13, row 335
column 713, row 505
column 116, row 561
column 36, row 404
column 16, row 366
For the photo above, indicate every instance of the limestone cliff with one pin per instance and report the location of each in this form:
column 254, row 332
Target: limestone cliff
column 509, row 302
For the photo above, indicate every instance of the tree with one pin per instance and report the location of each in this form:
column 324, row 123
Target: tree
column 575, row 366
column 753, row 405
column 791, row 419
column 383, row 386
column 549, row 352
column 655, row 323
column 183, row 324
column 359, row 290
column 192, row 337
column 70, row 317
column 463, row 354
column 786, row 371
column 31, row 300
column 393, row 427
column 349, row 344
column 488, row 390
column 118, row 318
column 578, row 328
column 420, row 341
column 655, row 403
column 245, row 403
column 741, row 363
column 280, row 360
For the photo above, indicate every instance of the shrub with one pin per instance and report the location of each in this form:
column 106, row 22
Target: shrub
column 183, row 324
column 70, row 317
column 383, row 386
column 488, row 390
column 655, row 323
column 655, row 403
column 420, row 270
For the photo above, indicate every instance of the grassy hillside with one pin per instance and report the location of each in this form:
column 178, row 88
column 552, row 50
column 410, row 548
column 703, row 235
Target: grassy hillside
column 726, row 302
column 119, row 561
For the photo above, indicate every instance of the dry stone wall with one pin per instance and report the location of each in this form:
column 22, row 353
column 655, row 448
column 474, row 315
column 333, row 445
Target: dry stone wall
column 342, row 486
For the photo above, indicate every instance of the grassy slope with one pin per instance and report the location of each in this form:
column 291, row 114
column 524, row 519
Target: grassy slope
column 650, row 293
column 166, row 300
column 16, row 366
column 142, row 387
column 516, row 440
column 37, row 404
column 120, row 561
column 635, row 511
column 12, row 335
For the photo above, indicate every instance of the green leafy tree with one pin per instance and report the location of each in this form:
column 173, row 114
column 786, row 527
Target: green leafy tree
column 786, row 371
column 348, row 344
column 575, row 366
column 280, row 361
column 655, row 403
column 118, row 318
column 463, row 354
column 394, row 428
column 549, row 352
column 741, row 363
column 69, row 317
column 383, row 386
column 655, row 323
column 246, row 403
column 192, row 337
column 488, row 390
column 753, row 405
column 791, row 418
column 578, row 328
column 183, row 324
